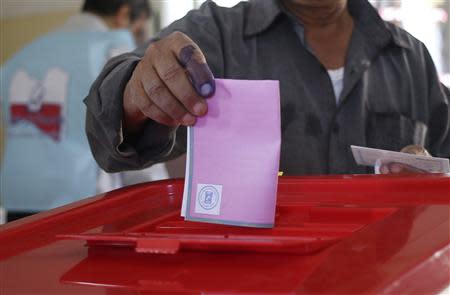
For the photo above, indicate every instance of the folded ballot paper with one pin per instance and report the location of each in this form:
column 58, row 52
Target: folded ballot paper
column 365, row 156
column 233, row 156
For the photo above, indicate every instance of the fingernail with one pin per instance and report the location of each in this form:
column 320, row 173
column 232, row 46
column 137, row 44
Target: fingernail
column 199, row 109
column 188, row 120
column 205, row 86
column 206, row 90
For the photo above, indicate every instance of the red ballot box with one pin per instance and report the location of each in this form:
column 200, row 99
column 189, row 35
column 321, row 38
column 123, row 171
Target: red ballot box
column 366, row 234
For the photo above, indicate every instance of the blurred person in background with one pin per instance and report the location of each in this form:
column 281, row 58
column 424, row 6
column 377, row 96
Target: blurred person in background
column 98, row 15
column 140, row 21
column 47, row 162
column 346, row 77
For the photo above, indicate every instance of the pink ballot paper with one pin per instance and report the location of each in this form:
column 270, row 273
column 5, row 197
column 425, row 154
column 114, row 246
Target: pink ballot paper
column 233, row 156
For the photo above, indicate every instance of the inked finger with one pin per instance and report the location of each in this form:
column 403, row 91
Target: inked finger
column 192, row 59
column 202, row 78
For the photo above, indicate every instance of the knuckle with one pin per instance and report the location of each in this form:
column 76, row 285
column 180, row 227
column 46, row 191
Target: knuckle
column 155, row 89
column 141, row 68
column 153, row 52
column 153, row 47
column 176, row 35
column 172, row 73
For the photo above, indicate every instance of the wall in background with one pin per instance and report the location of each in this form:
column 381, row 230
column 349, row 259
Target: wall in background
column 17, row 31
column 24, row 20
column 13, row 8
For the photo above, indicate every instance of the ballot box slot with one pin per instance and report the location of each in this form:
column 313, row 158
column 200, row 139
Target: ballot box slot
column 299, row 229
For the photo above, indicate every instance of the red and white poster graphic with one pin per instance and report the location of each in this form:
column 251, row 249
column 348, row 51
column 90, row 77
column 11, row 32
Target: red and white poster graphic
column 40, row 103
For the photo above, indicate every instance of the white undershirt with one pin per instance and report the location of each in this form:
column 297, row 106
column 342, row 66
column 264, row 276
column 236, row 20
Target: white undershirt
column 337, row 79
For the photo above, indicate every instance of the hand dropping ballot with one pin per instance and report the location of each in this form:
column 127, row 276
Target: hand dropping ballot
column 233, row 156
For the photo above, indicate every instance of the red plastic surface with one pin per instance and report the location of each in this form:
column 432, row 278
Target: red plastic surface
column 388, row 234
column 299, row 229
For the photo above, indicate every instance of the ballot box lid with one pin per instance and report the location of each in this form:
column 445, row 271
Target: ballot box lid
column 350, row 234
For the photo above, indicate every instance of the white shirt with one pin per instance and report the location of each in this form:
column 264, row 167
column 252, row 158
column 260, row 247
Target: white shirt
column 337, row 79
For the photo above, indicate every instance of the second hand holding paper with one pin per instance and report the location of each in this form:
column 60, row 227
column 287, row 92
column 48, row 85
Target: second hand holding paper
column 365, row 156
column 233, row 156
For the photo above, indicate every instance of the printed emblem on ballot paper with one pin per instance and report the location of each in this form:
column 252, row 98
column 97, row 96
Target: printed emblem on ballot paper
column 209, row 197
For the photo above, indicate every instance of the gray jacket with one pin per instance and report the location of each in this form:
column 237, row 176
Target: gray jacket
column 391, row 97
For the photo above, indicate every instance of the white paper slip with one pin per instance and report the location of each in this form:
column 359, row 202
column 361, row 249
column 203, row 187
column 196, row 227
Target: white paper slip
column 365, row 156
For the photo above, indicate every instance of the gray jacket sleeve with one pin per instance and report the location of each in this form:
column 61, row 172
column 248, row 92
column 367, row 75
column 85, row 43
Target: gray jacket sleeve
column 156, row 143
column 440, row 122
column 439, row 106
